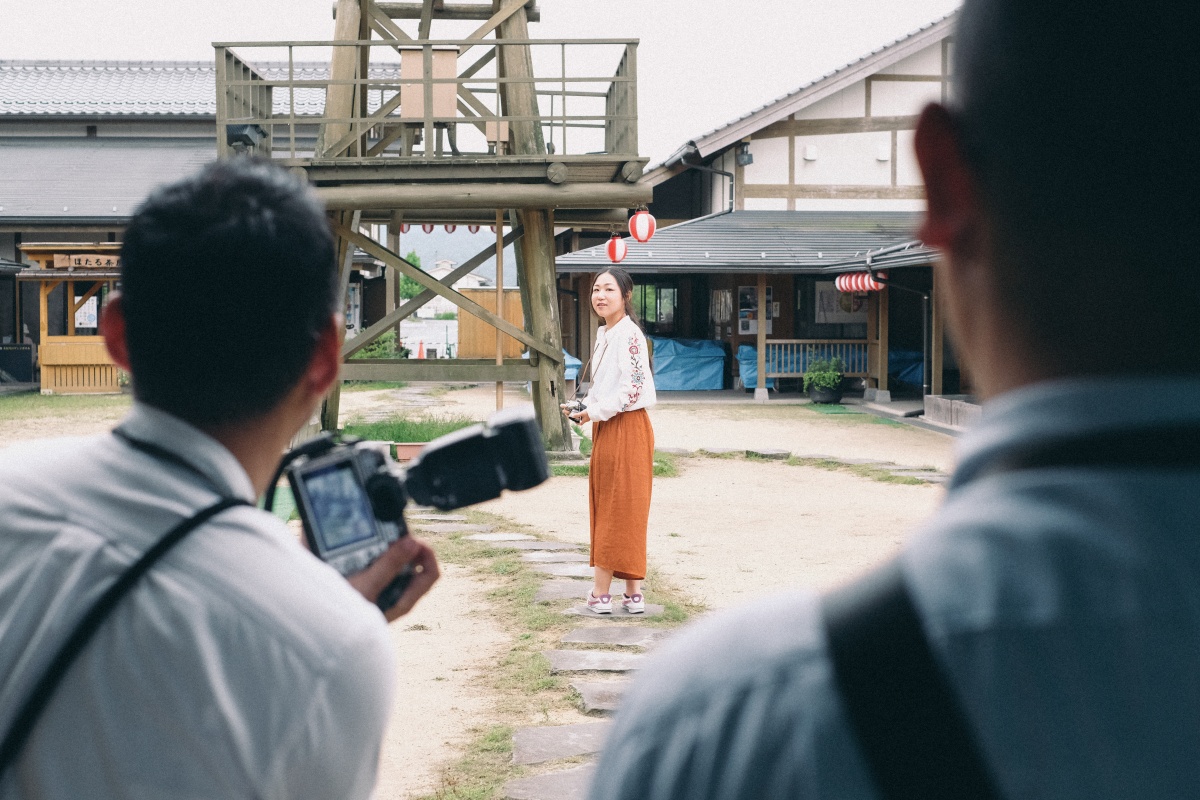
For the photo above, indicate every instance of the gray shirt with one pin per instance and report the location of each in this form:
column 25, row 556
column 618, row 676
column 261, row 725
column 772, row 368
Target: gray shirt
column 240, row 666
column 1064, row 603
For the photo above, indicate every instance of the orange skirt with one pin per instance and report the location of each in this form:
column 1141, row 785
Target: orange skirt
column 619, row 483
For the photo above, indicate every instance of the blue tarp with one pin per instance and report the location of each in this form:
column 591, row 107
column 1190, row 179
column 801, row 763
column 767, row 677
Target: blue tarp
column 907, row 366
column 682, row 365
column 572, row 365
column 747, row 358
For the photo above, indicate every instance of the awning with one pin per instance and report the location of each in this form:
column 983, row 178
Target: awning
column 859, row 282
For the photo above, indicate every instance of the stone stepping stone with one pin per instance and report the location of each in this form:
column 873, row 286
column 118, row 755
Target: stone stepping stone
column 865, row 462
column 721, row 451
column 437, row 517
column 552, row 742
column 582, row 610
column 623, row 635
column 450, row 527
column 554, row 557
column 592, row 661
column 560, row 590
column 499, row 537
column 541, row 545
column 600, row 695
column 773, row 455
column 569, row 784
column 566, row 570
column 674, row 451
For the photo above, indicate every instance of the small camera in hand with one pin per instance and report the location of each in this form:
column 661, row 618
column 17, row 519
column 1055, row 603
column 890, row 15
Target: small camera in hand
column 575, row 410
column 351, row 495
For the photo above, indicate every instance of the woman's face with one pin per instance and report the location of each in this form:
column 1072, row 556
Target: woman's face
column 606, row 296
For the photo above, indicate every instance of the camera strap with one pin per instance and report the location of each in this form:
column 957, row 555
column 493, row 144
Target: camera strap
column 39, row 697
column 906, row 716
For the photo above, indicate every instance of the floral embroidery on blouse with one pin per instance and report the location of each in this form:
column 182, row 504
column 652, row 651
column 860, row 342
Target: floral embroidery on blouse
column 636, row 376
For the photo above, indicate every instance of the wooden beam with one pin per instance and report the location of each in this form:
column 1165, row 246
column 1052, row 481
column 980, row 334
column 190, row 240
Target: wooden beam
column 833, row 192
column 357, row 128
column 821, row 127
column 486, row 196
column 446, row 370
column 760, row 390
column 483, row 61
column 426, row 19
column 458, row 11
column 495, row 21
column 519, row 99
column 87, row 296
column 377, row 250
column 339, row 97
column 352, row 346
column 383, row 23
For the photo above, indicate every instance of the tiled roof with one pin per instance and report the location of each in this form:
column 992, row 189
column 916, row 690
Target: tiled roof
column 142, row 88
column 812, row 242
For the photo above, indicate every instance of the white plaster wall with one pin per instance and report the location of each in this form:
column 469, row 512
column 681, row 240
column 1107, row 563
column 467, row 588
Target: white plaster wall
column 908, row 173
column 849, row 102
column 770, row 161
column 901, row 98
column 926, row 62
column 844, row 158
column 859, row 205
column 766, row 204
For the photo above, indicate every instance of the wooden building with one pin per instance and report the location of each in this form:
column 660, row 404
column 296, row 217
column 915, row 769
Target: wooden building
column 768, row 209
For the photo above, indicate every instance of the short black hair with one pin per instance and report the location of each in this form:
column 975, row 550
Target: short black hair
column 228, row 279
column 1076, row 119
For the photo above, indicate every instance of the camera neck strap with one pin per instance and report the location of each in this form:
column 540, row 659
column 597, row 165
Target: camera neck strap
column 39, row 697
column 906, row 716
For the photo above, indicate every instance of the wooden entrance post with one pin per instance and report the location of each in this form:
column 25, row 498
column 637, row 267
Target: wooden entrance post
column 760, row 390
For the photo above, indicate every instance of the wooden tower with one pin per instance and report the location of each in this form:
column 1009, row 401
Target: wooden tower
column 396, row 128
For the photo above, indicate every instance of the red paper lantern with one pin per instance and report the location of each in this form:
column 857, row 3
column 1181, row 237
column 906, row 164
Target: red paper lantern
column 858, row 282
column 642, row 226
column 492, row 228
column 616, row 249
column 473, row 228
column 405, row 227
column 427, row 228
column 451, row 228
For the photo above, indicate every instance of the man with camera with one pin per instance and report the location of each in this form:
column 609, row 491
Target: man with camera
column 237, row 665
column 1048, row 616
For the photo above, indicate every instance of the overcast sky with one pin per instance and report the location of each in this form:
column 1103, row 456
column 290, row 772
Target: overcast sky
column 701, row 63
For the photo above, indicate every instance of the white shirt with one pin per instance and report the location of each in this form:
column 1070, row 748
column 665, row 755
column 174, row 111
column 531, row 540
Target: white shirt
column 1064, row 604
column 621, row 379
column 240, row 666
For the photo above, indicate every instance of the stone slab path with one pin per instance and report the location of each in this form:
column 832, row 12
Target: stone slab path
column 592, row 661
column 450, row 527
column 565, row 570
column 550, row 743
column 500, row 537
column 620, row 635
column 582, row 610
column 603, row 696
column 566, row 785
column 561, row 589
column 555, row 557
column 540, row 545
column 436, row 517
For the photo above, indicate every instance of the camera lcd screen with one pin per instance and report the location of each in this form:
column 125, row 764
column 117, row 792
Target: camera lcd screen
column 342, row 513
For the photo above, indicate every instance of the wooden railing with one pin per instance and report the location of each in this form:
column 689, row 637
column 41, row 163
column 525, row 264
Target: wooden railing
column 789, row 358
column 402, row 105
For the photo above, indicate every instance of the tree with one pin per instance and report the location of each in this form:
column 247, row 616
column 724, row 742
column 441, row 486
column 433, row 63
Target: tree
column 408, row 287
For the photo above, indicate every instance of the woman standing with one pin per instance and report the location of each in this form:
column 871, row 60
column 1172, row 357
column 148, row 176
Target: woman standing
column 622, row 464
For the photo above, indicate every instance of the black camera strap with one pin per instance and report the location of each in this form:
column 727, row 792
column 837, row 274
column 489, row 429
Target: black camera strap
column 39, row 697
column 906, row 717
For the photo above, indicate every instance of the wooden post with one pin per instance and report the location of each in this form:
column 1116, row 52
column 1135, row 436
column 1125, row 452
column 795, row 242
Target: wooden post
column 760, row 391
column 535, row 272
column 873, row 340
column 519, row 98
column 329, row 412
column 391, row 279
column 883, row 338
column 343, row 66
column 937, row 348
column 500, row 302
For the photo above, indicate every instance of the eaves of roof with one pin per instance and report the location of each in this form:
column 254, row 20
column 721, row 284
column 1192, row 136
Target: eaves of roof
column 780, row 108
column 793, row 242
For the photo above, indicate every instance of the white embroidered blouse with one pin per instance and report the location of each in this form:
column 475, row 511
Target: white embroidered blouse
column 621, row 379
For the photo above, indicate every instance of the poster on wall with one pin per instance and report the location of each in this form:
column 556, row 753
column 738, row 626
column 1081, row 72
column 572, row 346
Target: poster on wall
column 839, row 308
column 87, row 314
column 748, row 310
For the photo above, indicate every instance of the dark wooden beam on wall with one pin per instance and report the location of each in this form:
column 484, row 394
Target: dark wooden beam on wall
column 819, row 127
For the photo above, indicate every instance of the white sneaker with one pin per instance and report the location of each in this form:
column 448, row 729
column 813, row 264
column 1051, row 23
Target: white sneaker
column 635, row 604
column 599, row 605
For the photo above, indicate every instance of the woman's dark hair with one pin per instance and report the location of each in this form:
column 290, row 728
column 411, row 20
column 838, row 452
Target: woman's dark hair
column 228, row 280
column 625, row 284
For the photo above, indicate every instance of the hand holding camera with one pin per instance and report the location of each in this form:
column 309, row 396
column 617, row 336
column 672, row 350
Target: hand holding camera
column 576, row 411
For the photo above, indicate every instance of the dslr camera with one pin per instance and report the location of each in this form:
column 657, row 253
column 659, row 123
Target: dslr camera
column 574, row 409
column 351, row 495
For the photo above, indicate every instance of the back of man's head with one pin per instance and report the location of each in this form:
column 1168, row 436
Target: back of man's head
column 228, row 279
column 1078, row 121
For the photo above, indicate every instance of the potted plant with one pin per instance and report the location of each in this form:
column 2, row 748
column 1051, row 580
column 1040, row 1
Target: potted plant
column 823, row 380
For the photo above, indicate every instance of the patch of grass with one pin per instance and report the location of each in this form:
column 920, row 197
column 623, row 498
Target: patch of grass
column 569, row 470
column 407, row 429
column 482, row 769
column 666, row 465
column 585, row 444
column 831, row 408
column 711, row 454
column 874, row 472
column 31, row 405
column 370, row 386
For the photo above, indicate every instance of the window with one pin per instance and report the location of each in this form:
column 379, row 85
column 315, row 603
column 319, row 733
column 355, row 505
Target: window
column 655, row 306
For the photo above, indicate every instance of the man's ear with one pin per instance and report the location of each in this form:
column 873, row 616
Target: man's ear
column 952, row 198
column 326, row 359
column 112, row 328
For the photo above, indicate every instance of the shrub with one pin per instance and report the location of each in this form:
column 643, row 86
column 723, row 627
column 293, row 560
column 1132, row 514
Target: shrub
column 824, row 373
column 383, row 347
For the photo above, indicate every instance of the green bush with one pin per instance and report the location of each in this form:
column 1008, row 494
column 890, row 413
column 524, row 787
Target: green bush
column 406, row 429
column 824, row 373
column 446, row 315
column 383, row 347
